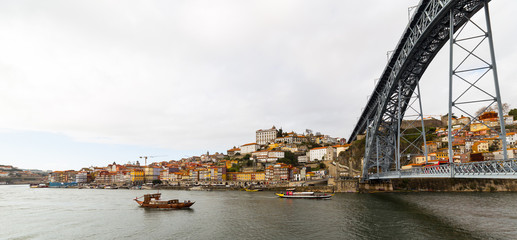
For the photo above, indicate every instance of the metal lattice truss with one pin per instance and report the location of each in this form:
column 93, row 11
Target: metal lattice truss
column 427, row 32
column 413, row 134
column 506, row 169
column 472, row 75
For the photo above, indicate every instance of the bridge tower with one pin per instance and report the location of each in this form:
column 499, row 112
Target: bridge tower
column 473, row 79
column 434, row 23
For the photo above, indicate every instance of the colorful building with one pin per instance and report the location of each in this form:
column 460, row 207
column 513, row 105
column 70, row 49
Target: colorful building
column 137, row 176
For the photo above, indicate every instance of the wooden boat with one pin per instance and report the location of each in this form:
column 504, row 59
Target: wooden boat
column 290, row 193
column 153, row 201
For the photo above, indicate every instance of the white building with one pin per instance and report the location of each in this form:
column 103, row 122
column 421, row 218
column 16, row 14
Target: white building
column 498, row 155
column 341, row 148
column 321, row 153
column 468, row 146
column 511, row 138
column 81, row 177
column 266, row 136
column 234, row 151
column 276, row 154
column 508, row 120
column 329, row 140
column 249, row 148
column 268, row 156
column 303, row 159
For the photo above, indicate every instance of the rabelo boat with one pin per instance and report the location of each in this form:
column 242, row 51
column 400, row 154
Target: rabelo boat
column 153, row 201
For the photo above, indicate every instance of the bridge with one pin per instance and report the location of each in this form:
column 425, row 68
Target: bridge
column 473, row 81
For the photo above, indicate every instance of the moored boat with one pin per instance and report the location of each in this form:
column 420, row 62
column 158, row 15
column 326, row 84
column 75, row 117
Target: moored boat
column 252, row 190
column 153, row 201
column 41, row 185
column 290, row 193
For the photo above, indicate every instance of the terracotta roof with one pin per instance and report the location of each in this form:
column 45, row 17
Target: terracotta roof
column 319, row 148
column 248, row 144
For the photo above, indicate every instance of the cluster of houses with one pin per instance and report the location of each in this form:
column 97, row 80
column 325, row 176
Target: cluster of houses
column 278, row 157
column 13, row 175
column 259, row 162
column 473, row 141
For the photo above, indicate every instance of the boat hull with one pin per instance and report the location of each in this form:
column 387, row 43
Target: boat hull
column 181, row 205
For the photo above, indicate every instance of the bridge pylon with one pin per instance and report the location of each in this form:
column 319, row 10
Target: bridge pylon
column 473, row 82
column 433, row 24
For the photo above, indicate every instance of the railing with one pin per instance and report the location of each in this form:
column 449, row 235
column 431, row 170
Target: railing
column 483, row 169
column 487, row 168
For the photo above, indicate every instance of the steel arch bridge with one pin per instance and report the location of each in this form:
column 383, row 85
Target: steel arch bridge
column 433, row 24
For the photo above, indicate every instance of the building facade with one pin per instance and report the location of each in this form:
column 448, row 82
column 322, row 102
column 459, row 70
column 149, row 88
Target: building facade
column 249, row 148
column 321, row 153
column 266, row 136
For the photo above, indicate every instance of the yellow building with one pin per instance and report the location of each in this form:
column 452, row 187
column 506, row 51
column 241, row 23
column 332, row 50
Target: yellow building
column 420, row 159
column 480, row 147
column 218, row 173
column 273, row 146
column 246, row 176
column 260, row 176
column 442, row 156
column 476, row 127
column 229, row 163
column 137, row 176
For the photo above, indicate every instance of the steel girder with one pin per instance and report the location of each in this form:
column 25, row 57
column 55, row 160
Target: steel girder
column 426, row 34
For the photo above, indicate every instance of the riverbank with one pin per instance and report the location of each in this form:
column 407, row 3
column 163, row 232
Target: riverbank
column 355, row 186
column 322, row 189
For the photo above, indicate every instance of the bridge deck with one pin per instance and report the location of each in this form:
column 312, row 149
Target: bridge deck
column 500, row 169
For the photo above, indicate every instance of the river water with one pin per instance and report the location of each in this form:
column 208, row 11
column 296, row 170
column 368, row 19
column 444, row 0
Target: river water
column 46, row 213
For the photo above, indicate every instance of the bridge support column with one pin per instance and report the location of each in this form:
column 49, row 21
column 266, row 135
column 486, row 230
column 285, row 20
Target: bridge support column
column 496, row 81
column 472, row 57
column 399, row 119
column 411, row 128
column 451, row 74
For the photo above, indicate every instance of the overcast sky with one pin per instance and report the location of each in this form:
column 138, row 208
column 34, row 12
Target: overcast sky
column 87, row 83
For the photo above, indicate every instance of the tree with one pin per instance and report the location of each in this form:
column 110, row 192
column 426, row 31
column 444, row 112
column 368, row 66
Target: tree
column 322, row 166
column 249, row 163
column 234, row 168
column 494, row 108
column 289, row 158
column 513, row 113
column 246, row 157
column 492, row 148
column 279, row 133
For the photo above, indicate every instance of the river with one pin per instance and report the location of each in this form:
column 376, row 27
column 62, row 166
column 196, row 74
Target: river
column 48, row 213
